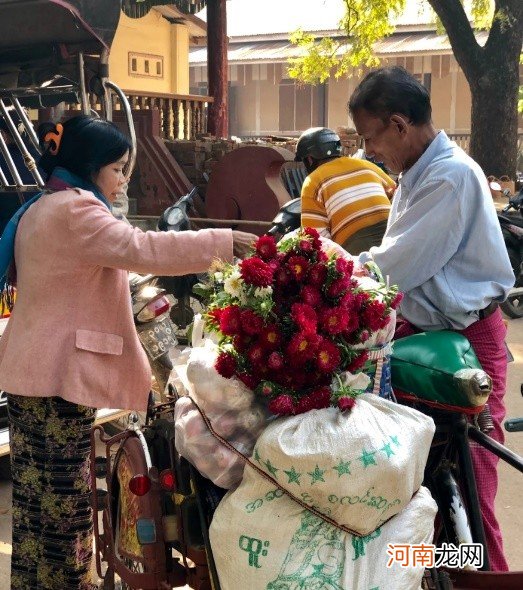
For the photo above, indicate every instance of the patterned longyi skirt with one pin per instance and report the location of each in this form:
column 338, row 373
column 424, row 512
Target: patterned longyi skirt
column 52, row 516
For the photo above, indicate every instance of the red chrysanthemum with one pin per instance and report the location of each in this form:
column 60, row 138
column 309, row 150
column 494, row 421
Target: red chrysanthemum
column 305, row 247
column 344, row 266
column 298, row 266
column 360, row 299
column 301, row 348
column 396, row 301
column 334, row 320
column 242, row 341
column 283, row 405
column 364, row 336
column 317, row 274
column 338, row 287
column 214, row 316
column 282, row 277
column 248, row 380
column 327, row 356
column 270, row 337
column 304, row 317
column 252, row 323
column 305, row 404
column 358, row 363
column 230, row 320
column 255, row 271
column 275, row 362
column 373, row 315
column 311, row 295
column 315, row 237
column 347, row 301
column 346, row 403
column 265, row 247
column 317, row 399
column 225, row 365
column 267, row 389
column 256, row 355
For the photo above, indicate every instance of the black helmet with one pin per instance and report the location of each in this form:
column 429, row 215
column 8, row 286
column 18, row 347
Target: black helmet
column 318, row 142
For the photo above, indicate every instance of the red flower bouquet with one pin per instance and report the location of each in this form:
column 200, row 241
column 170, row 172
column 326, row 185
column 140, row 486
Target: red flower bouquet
column 291, row 320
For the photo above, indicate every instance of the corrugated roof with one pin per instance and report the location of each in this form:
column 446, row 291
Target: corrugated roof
column 281, row 51
column 266, row 17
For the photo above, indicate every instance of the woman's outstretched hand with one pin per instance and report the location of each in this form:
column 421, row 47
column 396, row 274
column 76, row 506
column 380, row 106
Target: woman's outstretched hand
column 242, row 242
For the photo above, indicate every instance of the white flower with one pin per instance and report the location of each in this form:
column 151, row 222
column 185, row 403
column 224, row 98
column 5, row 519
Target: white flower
column 218, row 277
column 262, row 292
column 233, row 285
column 358, row 381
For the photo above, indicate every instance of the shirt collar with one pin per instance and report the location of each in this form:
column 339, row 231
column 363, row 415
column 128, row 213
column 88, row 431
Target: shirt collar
column 409, row 178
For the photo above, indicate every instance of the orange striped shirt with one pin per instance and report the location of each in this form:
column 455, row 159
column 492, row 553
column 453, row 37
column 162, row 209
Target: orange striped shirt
column 344, row 196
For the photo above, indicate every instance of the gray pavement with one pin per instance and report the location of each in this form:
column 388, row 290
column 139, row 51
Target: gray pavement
column 508, row 505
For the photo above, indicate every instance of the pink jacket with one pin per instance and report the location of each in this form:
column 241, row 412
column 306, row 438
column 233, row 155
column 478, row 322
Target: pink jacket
column 71, row 333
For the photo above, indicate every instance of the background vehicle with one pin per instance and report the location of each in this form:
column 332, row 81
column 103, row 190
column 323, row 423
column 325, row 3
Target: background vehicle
column 187, row 303
column 511, row 221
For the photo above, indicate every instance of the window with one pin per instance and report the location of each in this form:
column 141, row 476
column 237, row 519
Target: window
column 145, row 65
column 301, row 106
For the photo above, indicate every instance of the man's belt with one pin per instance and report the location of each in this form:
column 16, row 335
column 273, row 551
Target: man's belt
column 488, row 311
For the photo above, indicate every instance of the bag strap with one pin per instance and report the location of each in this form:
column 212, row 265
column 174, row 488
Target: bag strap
column 266, row 476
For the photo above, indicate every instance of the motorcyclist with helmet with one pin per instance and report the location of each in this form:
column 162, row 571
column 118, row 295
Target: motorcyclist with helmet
column 344, row 198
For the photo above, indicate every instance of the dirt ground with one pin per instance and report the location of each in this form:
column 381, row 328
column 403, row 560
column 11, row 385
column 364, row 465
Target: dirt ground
column 508, row 505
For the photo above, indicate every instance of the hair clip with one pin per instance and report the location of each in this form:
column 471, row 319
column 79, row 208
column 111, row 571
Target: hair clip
column 55, row 137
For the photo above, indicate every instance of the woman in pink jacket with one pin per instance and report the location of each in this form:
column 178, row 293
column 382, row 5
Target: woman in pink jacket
column 70, row 346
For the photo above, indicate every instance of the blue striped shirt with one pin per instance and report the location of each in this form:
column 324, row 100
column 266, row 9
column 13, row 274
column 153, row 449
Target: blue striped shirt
column 443, row 246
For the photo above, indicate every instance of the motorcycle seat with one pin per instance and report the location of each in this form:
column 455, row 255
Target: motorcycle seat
column 515, row 219
column 439, row 369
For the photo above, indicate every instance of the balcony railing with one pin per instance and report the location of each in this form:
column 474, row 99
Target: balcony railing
column 183, row 116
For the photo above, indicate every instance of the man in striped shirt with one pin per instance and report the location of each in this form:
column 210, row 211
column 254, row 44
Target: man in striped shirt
column 344, row 198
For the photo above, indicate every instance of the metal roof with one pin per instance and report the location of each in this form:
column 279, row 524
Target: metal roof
column 427, row 43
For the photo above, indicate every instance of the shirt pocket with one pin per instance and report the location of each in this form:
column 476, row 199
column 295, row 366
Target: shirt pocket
column 100, row 342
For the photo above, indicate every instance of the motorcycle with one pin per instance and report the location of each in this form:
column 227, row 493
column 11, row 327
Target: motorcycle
column 151, row 307
column 511, row 222
column 157, row 509
column 176, row 218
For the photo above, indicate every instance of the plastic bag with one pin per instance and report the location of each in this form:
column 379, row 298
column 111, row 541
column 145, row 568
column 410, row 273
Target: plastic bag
column 213, row 460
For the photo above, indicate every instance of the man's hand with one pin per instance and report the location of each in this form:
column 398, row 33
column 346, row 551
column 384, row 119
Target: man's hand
column 242, row 243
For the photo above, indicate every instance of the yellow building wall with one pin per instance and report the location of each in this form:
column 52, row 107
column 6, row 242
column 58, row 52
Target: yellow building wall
column 154, row 39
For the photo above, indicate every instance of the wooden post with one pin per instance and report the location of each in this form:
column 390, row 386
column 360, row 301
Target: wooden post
column 217, row 68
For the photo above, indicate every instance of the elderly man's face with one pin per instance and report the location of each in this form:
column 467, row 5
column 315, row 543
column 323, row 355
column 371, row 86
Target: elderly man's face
column 385, row 141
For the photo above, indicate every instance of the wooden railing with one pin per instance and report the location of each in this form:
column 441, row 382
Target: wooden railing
column 183, row 116
column 463, row 140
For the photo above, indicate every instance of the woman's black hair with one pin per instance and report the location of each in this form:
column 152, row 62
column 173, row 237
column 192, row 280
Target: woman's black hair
column 87, row 145
column 390, row 90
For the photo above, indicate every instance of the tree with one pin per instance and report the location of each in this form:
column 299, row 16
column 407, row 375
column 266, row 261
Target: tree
column 492, row 70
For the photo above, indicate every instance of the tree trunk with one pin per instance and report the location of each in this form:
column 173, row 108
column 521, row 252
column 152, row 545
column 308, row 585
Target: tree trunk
column 494, row 116
column 492, row 72
column 217, row 67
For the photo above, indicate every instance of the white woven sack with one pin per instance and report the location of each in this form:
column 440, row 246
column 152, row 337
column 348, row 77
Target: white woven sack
column 263, row 540
column 362, row 467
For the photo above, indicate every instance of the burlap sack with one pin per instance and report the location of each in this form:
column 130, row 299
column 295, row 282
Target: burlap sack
column 362, row 467
column 262, row 540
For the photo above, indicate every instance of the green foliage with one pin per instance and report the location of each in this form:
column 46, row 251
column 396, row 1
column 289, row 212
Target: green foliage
column 520, row 99
column 364, row 23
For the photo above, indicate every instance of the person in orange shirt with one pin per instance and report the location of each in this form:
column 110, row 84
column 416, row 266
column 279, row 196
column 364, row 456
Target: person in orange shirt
column 345, row 199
